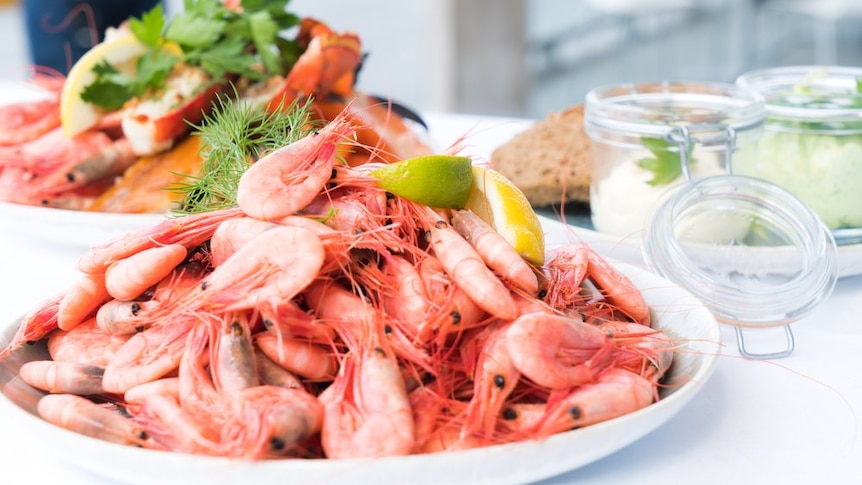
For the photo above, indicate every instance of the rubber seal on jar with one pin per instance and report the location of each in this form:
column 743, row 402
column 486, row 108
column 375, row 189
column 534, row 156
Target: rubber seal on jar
column 754, row 253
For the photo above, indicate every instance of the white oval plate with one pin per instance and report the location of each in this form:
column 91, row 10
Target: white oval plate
column 675, row 311
column 71, row 227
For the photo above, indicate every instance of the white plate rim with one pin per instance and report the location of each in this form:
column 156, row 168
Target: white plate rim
column 73, row 227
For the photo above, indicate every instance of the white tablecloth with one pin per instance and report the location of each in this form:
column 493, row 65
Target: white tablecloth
column 787, row 421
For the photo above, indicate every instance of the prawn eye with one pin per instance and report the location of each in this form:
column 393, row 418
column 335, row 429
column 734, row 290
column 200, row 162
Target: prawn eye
column 70, row 177
column 277, row 444
column 543, row 293
column 499, row 381
column 456, row 317
column 236, row 328
column 204, row 285
column 334, row 173
column 510, row 414
column 387, row 329
column 378, row 352
column 135, row 309
column 575, row 412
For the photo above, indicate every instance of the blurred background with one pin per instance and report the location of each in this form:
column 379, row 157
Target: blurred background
column 526, row 58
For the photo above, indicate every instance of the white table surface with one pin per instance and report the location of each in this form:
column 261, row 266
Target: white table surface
column 796, row 420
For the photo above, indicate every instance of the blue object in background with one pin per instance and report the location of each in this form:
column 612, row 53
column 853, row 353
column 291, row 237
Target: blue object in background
column 61, row 31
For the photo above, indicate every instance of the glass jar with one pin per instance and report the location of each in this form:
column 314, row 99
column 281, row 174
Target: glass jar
column 646, row 139
column 664, row 164
column 812, row 141
column 754, row 253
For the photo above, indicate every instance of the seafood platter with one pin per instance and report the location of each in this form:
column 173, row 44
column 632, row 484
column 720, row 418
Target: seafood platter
column 296, row 295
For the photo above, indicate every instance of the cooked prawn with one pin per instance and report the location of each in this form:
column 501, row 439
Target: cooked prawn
column 27, row 120
column 404, row 298
column 85, row 344
column 614, row 392
column 129, row 277
column 287, row 179
column 232, row 362
column 367, row 411
column 148, row 355
column 470, row 273
column 495, row 378
column 63, row 377
column 270, row 421
column 35, row 325
column 569, row 266
column 495, row 251
column 558, row 352
column 81, row 300
column 120, row 317
column 272, row 374
column 83, row 416
column 262, row 273
column 299, row 356
column 169, row 425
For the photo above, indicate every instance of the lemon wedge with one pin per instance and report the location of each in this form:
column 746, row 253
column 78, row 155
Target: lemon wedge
column 443, row 181
column 501, row 204
column 122, row 51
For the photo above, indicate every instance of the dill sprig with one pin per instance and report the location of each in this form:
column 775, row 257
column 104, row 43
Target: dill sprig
column 233, row 136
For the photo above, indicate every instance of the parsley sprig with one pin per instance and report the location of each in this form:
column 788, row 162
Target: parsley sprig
column 233, row 136
column 221, row 41
column 665, row 164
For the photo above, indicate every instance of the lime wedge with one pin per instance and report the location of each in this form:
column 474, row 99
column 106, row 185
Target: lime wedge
column 443, row 181
column 501, row 204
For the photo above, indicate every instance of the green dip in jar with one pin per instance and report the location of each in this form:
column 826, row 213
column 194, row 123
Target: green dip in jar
column 812, row 140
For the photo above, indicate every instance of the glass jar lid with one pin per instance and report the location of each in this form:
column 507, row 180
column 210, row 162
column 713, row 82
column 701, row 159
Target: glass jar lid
column 655, row 109
column 750, row 250
column 820, row 94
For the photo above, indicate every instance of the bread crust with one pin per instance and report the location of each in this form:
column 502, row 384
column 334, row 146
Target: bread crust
column 550, row 160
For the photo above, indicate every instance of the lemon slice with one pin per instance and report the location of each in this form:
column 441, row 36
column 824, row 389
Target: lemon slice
column 501, row 204
column 443, row 181
column 122, row 51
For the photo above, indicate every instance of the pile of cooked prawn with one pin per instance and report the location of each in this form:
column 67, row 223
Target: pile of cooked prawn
column 323, row 317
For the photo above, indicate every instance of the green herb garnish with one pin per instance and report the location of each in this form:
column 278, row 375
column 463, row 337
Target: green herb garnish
column 209, row 35
column 666, row 166
column 233, row 136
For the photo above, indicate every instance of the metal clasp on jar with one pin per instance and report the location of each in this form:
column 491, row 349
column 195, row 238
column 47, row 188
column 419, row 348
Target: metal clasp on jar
column 682, row 137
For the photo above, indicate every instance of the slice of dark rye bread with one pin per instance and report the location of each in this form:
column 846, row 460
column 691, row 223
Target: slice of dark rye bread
column 550, row 160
